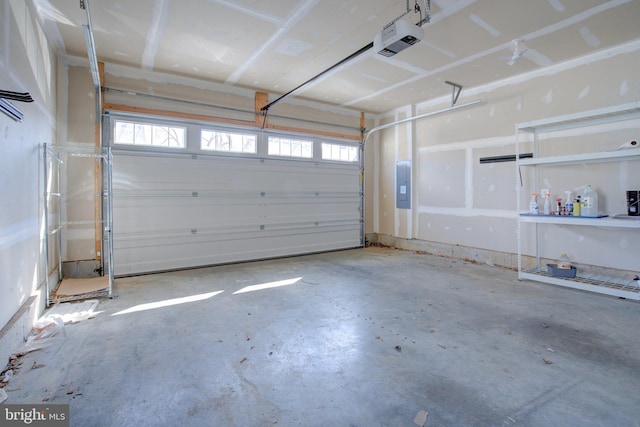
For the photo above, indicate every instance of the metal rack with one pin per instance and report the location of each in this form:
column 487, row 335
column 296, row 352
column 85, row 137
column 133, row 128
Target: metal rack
column 600, row 283
column 53, row 157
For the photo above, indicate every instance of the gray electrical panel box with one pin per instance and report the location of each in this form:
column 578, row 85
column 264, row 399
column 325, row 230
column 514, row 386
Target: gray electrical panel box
column 403, row 184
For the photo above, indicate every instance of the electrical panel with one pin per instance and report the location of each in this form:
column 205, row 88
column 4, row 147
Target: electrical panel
column 403, row 184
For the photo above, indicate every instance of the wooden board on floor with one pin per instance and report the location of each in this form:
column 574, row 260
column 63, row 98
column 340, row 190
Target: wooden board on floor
column 70, row 287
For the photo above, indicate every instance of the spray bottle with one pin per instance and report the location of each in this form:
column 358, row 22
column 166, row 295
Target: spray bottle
column 568, row 205
column 533, row 204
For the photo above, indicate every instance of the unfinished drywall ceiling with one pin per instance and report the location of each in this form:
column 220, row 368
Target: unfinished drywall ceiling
column 275, row 46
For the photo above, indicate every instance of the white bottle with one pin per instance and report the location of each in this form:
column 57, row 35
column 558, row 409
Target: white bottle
column 589, row 202
column 547, row 204
column 564, row 262
column 533, row 204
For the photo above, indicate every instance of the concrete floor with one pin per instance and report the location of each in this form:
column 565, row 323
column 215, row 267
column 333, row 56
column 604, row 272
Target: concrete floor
column 366, row 337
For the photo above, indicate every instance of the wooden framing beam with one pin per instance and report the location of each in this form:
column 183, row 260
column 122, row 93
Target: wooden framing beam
column 314, row 132
column 201, row 117
column 175, row 114
column 261, row 99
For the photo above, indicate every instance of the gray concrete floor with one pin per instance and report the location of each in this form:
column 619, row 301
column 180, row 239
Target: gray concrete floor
column 366, row 337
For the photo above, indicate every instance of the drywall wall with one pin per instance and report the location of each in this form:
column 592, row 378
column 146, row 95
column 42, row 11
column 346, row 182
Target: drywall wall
column 458, row 201
column 26, row 65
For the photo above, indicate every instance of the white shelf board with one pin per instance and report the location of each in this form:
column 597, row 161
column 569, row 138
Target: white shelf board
column 604, row 156
column 613, row 288
column 580, row 220
column 585, row 118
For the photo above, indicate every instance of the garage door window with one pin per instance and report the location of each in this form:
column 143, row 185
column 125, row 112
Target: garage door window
column 290, row 147
column 226, row 141
column 149, row 134
column 339, row 152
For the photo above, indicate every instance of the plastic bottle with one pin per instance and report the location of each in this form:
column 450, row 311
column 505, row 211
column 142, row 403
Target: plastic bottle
column 547, row 205
column 589, row 202
column 564, row 262
column 568, row 205
column 533, row 204
column 577, row 206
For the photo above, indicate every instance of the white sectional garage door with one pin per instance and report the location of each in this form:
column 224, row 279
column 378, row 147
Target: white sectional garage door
column 180, row 210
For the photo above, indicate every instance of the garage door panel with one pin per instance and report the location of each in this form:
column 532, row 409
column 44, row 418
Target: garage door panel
column 229, row 172
column 207, row 247
column 135, row 215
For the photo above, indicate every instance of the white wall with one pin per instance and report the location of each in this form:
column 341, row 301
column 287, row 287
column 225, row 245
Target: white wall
column 26, row 65
column 460, row 202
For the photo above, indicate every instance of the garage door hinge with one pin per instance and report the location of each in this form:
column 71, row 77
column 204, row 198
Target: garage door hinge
column 194, row 194
column 194, row 231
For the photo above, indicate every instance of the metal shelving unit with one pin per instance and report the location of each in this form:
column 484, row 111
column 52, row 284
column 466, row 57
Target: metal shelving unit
column 54, row 156
column 599, row 283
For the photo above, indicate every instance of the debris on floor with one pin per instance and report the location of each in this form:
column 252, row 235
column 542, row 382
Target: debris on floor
column 547, row 361
column 398, row 348
column 10, row 370
column 37, row 365
column 421, row 418
column 71, row 312
column 46, row 327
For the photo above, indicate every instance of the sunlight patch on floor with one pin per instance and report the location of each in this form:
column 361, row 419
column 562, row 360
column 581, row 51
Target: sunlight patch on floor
column 268, row 285
column 168, row 303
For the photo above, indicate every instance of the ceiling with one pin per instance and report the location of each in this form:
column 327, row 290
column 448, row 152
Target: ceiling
column 276, row 45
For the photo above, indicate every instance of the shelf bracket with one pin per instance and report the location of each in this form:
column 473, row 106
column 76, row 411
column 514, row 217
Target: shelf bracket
column 455, row 92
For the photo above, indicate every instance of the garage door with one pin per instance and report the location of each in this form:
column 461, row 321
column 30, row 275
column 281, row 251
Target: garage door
column 228, row 195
